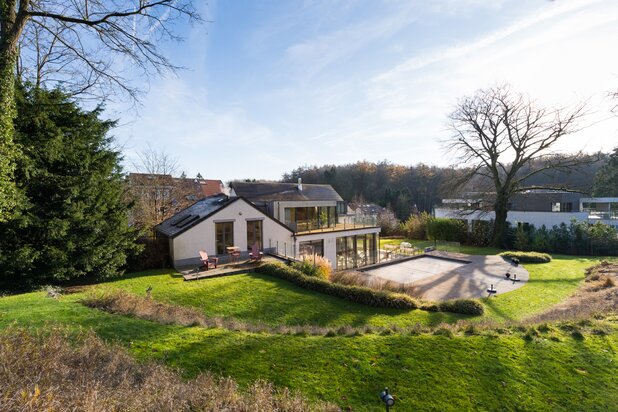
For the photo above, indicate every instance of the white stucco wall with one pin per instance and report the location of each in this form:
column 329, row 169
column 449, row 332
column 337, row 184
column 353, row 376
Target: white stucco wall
column 330, row 241
column 202, row 236
column 538, row 219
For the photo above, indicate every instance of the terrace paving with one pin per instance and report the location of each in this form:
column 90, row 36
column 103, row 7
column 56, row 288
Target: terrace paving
column 441, row 275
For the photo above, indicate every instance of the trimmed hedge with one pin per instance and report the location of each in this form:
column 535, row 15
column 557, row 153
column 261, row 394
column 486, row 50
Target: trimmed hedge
column 463, row 306
column 365, row 296
column 527, row 257
column 446, row 229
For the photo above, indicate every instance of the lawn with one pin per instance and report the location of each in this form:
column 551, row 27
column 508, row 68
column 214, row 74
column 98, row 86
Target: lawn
column 494, row 371
column 261, row 298
column 504, row 371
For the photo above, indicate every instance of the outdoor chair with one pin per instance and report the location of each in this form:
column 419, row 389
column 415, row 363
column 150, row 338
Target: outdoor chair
column 255, row 255
column 208, row 262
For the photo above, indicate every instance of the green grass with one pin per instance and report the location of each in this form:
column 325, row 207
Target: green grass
column 261, row 298
column 492, row 371
column 552, row 372
column 549, row 284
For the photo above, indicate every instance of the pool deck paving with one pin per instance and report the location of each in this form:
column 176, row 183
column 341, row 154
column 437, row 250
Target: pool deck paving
column 443, row 275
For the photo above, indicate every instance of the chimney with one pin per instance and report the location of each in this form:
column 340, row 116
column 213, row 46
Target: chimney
column 300, row 184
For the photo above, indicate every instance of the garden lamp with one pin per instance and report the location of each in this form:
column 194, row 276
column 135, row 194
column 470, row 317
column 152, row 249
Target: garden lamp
column 387, row 398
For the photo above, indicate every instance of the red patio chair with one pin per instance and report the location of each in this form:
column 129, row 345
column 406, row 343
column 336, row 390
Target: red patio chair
column 255, row 255
column 208, row 262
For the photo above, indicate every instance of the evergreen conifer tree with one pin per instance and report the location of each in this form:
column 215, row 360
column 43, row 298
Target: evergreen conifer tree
column 73, row 219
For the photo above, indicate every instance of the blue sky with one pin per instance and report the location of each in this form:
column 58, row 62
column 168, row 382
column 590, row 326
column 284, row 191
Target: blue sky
column 273, row 85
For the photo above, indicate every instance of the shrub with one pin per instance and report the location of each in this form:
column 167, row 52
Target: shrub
column 522, row 237
column 449, row 230
column 362, row 295
column 314, row 265
column 416, row 226
column 527, row 257
column 481, row 232
column 463, row 306
column 154, row 255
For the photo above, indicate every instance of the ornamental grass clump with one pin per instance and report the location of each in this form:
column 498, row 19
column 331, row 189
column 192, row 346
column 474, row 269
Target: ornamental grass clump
column 314, row 265
column 356, row 278
column 58, row 371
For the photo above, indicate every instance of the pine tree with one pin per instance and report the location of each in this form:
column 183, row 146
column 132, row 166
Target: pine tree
column 606, row 179
column 73, row 220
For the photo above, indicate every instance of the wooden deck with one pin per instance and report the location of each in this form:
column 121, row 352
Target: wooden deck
column 226, row 269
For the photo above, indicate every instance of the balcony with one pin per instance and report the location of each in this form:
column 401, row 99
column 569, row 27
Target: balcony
column 332, row 225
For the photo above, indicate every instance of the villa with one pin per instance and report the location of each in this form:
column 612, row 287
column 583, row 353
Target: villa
column 538, row 208
column 286, row 219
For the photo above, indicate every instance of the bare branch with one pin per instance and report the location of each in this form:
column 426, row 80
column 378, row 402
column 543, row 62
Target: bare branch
column 91, row 48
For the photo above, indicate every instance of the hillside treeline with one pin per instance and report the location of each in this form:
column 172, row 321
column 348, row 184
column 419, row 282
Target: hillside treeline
column 407, row 189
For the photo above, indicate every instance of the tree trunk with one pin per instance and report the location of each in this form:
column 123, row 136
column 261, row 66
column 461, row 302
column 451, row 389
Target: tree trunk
column 8, row 150
column 500, row 225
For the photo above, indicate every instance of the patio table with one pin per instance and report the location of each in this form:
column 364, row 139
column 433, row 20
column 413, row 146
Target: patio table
column 234, row 253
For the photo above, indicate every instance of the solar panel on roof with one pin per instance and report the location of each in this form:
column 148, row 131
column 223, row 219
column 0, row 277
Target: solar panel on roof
column 180, row 220
column 186, row 222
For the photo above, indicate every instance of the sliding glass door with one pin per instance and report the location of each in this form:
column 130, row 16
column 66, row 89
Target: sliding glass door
column 356, row 251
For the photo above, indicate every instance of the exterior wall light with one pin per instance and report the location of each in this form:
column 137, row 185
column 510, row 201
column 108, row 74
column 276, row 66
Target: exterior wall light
column 387, row 398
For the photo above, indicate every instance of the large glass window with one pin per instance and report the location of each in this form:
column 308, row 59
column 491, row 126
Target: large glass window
column 224, row 236
column 254, row 234
column 311, row 247
column 310, row 218
column 356, row 251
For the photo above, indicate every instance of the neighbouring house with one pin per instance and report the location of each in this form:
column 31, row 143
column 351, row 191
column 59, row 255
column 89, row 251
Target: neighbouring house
column 287, row 219
column 209, row 187
column 384, row 216
column 538, row 208
column 159, row 196
column 373, row 210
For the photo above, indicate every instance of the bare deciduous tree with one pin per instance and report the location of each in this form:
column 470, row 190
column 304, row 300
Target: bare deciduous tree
column 507, row 139
column 85, row 46
column 157, row 194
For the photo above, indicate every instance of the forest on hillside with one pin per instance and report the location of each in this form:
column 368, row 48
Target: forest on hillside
column 419, row 187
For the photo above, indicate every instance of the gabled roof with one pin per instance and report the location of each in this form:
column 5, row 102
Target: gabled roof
column 200, row 211
column 210, row 187
column 192, row 215
column 268, row 192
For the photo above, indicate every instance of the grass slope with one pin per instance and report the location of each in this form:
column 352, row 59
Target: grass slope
column 552, row 372
column 495, row 371
column 261, row 298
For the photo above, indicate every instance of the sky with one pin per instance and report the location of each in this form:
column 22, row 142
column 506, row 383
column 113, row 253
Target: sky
column 273, row 85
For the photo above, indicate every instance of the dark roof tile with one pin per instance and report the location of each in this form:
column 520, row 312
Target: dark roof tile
column 267, row 192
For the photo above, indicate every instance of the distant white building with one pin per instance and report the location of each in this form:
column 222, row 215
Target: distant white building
column 538, row 208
